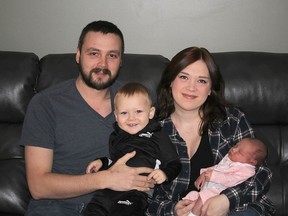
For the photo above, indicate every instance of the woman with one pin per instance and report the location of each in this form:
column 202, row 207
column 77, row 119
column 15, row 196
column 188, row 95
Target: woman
column 203, row 127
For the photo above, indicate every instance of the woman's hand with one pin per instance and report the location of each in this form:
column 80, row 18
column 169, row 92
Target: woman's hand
column 183, row 207
column 218, row 205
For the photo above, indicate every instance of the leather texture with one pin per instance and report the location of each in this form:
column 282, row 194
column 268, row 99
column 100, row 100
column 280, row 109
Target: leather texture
column 257, row 82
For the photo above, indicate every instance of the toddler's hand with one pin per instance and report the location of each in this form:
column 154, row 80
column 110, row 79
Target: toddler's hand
column 158, row 175
column 94, row 166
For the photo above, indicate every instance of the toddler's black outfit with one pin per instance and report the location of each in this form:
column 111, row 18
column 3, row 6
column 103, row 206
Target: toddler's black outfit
column 150, row 144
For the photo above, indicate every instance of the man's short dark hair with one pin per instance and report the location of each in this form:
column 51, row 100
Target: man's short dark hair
column 104, row 27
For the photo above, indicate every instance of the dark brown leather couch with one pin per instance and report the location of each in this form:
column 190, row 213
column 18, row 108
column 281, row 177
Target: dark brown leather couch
column 256, row 82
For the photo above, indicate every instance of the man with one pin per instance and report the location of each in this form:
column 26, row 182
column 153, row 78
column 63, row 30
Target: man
column 68, row 125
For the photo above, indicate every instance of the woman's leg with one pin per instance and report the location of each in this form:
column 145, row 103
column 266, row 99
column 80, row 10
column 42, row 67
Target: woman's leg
column 248, row 212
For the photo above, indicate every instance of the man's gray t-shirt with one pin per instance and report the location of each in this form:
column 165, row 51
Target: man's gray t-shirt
column 60, row 119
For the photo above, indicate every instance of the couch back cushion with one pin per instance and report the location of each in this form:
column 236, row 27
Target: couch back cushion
column 257, row 82
column 18, row 72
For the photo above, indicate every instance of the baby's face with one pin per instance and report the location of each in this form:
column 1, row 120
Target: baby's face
column 242, row 152
column 133, row 112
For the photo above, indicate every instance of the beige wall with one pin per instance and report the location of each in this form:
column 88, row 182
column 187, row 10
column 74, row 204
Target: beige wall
column 149, row 26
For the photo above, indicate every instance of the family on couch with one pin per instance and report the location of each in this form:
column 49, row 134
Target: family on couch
column 68, row 125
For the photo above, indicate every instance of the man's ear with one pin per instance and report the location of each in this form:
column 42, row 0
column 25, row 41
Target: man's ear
column 78, row 54
column 152, row 112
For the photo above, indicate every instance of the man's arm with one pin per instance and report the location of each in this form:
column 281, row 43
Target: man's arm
column 44, row 184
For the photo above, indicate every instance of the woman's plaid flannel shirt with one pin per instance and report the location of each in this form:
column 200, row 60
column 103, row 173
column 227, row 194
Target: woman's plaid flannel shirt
column 225, row 135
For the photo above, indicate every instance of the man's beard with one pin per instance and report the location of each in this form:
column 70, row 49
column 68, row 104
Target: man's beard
column 98, row 84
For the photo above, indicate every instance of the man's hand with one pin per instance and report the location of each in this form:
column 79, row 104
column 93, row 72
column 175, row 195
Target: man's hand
column 218, row 205
column 183, row 207
column 123, row 178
